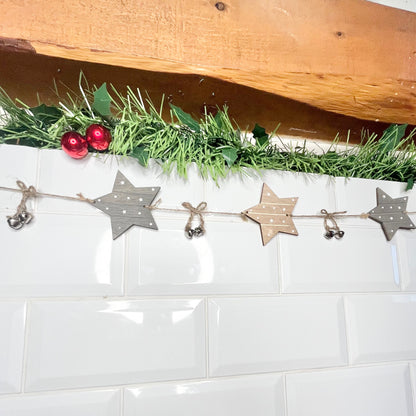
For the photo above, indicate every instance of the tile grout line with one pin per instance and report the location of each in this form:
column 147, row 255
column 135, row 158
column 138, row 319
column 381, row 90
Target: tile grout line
column 285, row 394
column 347, row 335
column 125, row 262
column 412, row 387
column 26, row 345
column 228, row 377
column 122, row 390
column 37, row 179
column 401, row 255
column 242, row 296
column 335, row 192
column 279, row 263
column 207, row 370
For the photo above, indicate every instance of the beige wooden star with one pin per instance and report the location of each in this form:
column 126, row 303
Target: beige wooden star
column 273, row 214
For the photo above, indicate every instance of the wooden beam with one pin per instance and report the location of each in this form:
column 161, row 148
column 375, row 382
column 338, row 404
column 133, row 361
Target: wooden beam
column 31, row 77
column 347, row 56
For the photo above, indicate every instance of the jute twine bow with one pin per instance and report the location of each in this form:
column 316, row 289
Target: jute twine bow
column 198, row 211
column 332, row 230
column 26, row 194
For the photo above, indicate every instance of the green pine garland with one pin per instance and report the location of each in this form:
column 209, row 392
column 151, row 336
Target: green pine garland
column 213, row 143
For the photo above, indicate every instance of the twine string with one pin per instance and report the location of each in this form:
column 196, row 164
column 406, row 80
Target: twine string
column 26, row 194
column 329, row 217
column 195, row 211
column 36, row 193
column 155, row 205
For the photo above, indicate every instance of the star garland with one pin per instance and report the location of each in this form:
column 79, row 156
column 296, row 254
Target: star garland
column 129, row 206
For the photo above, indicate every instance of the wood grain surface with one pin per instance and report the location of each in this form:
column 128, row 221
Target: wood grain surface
column 347, row 56
column 31, row 78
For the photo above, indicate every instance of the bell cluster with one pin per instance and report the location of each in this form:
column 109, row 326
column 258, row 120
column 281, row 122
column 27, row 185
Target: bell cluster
column 194, row 232
column 17, row 221
column 334, row 233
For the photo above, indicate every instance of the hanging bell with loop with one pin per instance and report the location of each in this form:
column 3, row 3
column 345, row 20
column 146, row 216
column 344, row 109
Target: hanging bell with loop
column 339, row 234
column 15, row 223
column 25, row 217
column 189, row 234
column 329, row 234
column 198, row 232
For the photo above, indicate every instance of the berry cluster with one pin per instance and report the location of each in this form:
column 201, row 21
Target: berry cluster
column 76, row 146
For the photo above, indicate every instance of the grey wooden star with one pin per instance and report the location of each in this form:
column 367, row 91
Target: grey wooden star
column 391, row 214
column 127, row 205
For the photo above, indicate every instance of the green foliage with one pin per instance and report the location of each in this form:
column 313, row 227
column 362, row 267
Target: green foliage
column 391, row 137
column 102, row 101
column 259, row 133
column 46, row 114
column 141, row 154
column 410, row 183
column 230, row 155
column 214, row 144
column 185, row 118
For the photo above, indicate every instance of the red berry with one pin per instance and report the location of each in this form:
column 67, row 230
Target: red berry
column 98, row 137
column 74, row 144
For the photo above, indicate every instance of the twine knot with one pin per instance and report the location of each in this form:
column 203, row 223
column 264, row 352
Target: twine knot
column 26, row 194
column 331, row 227
column 22, row 217
column 195, row 211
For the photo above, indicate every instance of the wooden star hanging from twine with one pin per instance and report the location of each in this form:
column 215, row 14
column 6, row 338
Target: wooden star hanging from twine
column 273, row 214
column 127, row 205
column 391, row 214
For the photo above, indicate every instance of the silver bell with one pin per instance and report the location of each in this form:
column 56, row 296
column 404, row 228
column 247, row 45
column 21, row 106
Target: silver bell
column 15, row 223
column 198, row 232
column 189, row 234
column 25, row 217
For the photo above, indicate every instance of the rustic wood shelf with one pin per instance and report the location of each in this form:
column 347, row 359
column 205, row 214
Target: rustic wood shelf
column 346, row 56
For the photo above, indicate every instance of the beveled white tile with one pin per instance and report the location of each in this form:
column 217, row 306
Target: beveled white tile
column 99, row 343
column 12, row 331
column 357, row 196
column 245, row 396
column 89, row 403
column 61, row 255
column 381, row 327
column 94, row 176
column 406, row 247
column 237, row 193
column 361, row 261
column 16, row 163
column 229, row 258
column 266, row 334
column 381, row 391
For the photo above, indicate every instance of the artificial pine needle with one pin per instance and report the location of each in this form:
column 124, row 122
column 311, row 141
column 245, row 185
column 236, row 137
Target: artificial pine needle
column 214, row 143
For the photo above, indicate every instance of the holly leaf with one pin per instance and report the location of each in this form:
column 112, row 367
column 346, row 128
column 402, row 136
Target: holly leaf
column 391, row 137
column 102, row 100
column 410, row 183
column 259, row 133
column 185, row 118
column 46, row 114
column 230, row 155
column 141, row 154
column 218, row 118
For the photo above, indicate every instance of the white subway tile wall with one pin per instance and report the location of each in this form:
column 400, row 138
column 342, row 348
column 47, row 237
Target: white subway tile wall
column 99, row 343
column 156, row 324
column 258, row 335
column 245, row 396
column 379, row 390
column 88, row 403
